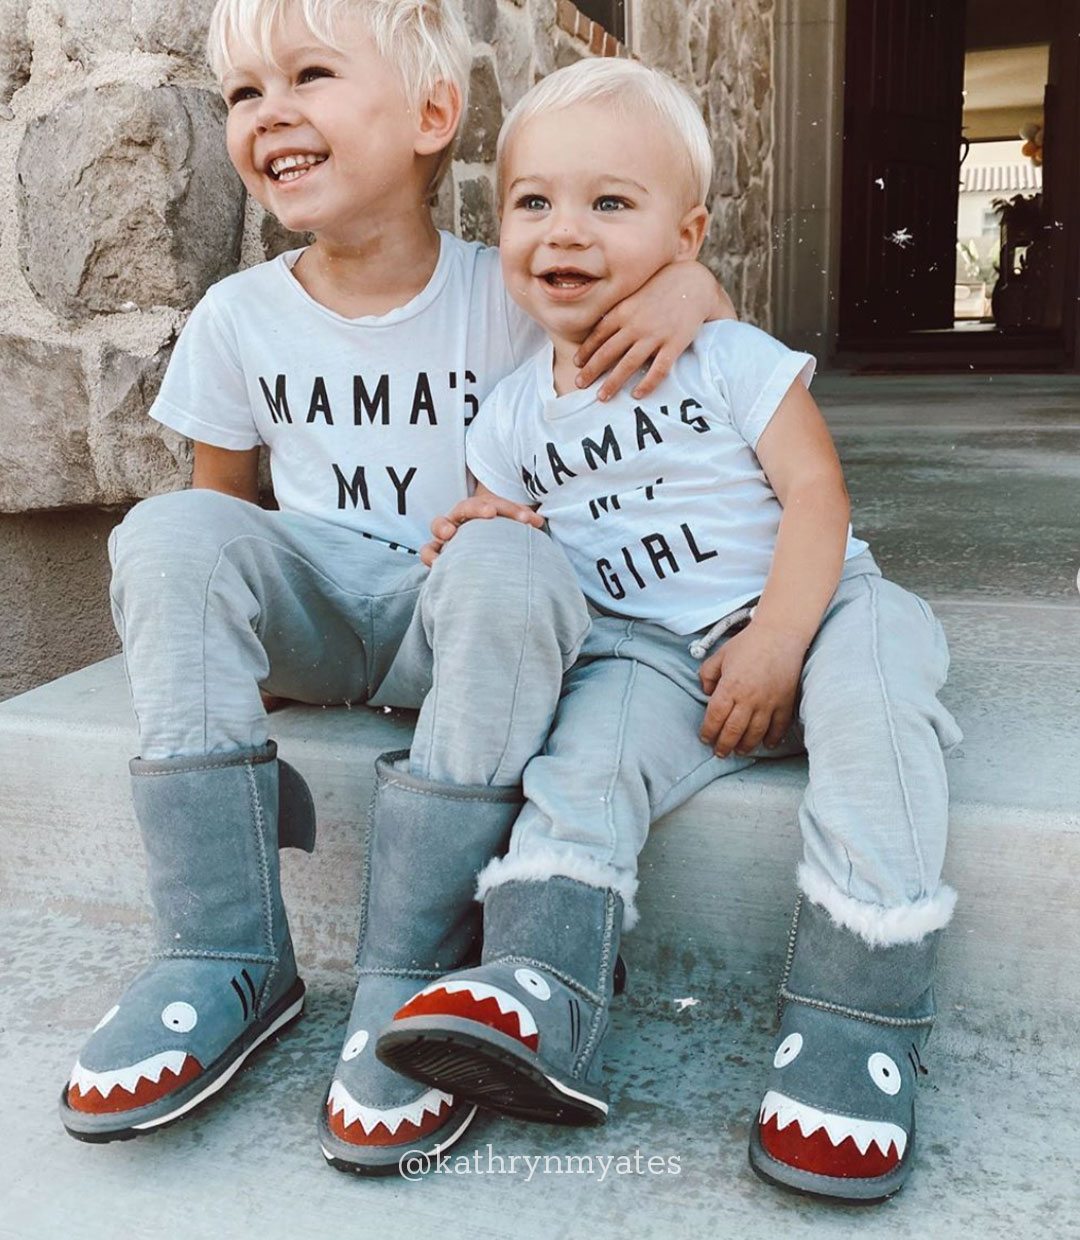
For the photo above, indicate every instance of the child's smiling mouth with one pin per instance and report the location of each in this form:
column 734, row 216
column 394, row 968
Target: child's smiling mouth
column 291, row 167
column 565, row 283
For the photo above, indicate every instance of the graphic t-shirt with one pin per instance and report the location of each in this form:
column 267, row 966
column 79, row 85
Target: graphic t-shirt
column 661, row 505
column 364, row 418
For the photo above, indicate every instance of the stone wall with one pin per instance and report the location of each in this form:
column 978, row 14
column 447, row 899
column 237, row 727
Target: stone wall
column 118, row 208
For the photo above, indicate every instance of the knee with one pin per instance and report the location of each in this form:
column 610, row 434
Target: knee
column 506, row 567
column 169, row 532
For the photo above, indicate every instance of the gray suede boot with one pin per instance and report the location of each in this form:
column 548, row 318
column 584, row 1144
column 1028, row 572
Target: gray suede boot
column 838, row 1117
column 223, row 976
column 425, row 844
column 522, row 1033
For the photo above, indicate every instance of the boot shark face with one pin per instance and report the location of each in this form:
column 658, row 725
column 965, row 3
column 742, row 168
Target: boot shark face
column 834, row 1135
column 174, row 1021
column 135, row 1085
column 471, row 999
column 357, row 1124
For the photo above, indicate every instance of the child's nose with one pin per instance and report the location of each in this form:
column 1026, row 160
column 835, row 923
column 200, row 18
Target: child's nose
column 566, row 229
column 274, row 112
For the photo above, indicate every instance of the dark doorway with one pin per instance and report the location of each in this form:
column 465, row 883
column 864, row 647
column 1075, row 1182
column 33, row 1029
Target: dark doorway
column 937, row 96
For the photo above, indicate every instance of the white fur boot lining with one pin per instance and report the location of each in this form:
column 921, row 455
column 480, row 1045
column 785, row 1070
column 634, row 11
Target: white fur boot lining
column 539, row 866
column 874, row 923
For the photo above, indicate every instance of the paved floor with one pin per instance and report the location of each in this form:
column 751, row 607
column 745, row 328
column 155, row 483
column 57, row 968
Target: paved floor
column 967, row 492
column 998, row 1125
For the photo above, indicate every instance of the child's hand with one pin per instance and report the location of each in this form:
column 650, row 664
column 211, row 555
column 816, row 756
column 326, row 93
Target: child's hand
column 659, row 321
column 753, row 680
column 476, row 508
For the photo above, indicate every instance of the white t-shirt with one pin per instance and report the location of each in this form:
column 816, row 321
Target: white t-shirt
column 661, row 504
column 364, row 418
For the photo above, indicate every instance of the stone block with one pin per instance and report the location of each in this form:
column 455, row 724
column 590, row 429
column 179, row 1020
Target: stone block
column 126, row 195
column 480, row 129
column 14, row 48
column 44, row 423
column 513, row 53
column 178, row 27
column 89, row 30
column 478, row 222
column 481, row 17
column 133, row 455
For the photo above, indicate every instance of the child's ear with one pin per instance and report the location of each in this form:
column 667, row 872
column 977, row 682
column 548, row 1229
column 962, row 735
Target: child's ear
column 440, row 115
column 692, row 229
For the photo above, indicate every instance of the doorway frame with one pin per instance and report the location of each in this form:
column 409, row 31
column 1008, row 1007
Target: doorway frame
column 808, row 62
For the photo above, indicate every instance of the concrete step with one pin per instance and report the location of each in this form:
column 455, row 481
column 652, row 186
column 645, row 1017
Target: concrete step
column 995, row 1157
column 717, row 874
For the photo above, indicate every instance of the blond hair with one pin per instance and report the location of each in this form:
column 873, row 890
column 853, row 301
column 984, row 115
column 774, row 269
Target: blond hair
column 424, row 41
column 629, row 85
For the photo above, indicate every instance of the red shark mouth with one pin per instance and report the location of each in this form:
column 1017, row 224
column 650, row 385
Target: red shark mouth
column 127, row 1089
column 822, row 1143
column 476, row 1001
column 356, row 1124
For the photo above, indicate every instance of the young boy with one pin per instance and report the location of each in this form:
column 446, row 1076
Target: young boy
column 358, row 362
column 720, row 493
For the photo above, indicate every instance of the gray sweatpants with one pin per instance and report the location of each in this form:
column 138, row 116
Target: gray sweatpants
column 214, row 598
column 625, row 747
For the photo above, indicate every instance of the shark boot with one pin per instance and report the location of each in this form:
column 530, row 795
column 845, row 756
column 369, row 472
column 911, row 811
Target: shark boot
column 522, row 1033
column 838, row 1117
column 425, row 843
column 223, row 976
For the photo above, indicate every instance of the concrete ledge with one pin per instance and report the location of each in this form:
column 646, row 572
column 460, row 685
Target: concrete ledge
column 717, row 874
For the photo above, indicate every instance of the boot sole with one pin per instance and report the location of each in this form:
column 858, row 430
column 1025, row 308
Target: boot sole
column 853, row 1191
column 380, row 1160
column 489, row 1069
column 92, row 1128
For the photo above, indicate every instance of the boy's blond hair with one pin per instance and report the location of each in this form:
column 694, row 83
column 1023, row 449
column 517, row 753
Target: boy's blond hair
column 631, row 87
column 425, row 41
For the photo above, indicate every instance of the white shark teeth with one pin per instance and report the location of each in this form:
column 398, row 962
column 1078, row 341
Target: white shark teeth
column 430, row 1101
column 481, row 990
column 127, row 1078
column 864, row 1132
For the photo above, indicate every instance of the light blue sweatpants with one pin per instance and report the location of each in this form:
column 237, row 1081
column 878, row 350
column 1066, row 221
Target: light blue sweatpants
column 625, row 749
column 215, row 598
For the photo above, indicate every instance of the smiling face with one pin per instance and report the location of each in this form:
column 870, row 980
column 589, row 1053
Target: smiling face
column 594, row 202
column 325, row 138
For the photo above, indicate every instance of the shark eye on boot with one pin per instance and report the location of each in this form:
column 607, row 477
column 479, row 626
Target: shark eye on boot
column 533, row 983
column 788, row 1050
column 884, row 1073
column 180, row 1017
column 354, row 1045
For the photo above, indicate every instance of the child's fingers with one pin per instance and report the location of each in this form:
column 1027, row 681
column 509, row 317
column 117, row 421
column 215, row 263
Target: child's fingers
column 778, row 729
column 443, row 529
column 657, row 373
column 633, row 360
column 755, row 732
column 716, row 714
column 429, row 553
column 733, row 730
column 602, row 331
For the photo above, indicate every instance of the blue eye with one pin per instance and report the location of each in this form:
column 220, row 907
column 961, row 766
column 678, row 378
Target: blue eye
column 532, row 202
column 609, row 203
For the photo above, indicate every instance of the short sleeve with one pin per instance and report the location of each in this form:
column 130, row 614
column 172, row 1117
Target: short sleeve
column 523, row 334
column 204, row 393
column 753, row 371
column 489, row 451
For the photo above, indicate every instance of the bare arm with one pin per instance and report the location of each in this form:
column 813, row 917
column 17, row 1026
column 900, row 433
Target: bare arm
column 222, row 469
column 754, row 678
